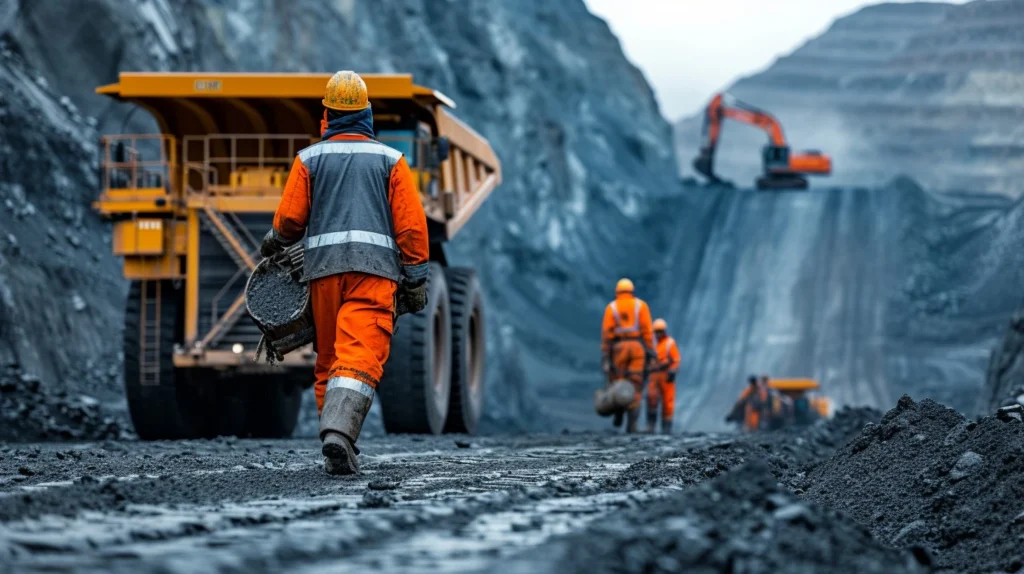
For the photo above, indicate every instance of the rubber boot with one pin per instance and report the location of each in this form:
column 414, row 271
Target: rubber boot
column 340, row 422
column 617, row 421
column 666, row 426
column 632, row 418
column 652, row 421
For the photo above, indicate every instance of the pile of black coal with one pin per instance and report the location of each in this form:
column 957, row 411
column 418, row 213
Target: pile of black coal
column 740, row 522
column 790, row 453
column 800, row 448
column 927, row 477
column 29, row 411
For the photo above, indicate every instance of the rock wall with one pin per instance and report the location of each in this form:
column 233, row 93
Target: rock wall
column 60, row 290
column 872, row 292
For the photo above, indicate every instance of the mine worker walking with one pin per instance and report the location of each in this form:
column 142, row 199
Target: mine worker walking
column 627, row 345
column 662, row 387
column 753, row 407
column 357, row 204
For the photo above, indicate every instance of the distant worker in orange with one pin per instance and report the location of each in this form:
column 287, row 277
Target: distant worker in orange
column 662, row 387
column 627, row 344
column 753, row 407
column 357, row 204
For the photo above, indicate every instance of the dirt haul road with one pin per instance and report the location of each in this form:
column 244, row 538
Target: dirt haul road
column 433, row 504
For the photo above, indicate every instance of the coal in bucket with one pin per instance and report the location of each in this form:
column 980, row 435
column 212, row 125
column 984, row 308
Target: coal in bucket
column 279, row 304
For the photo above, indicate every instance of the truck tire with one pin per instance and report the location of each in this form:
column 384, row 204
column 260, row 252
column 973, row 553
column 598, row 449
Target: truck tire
column 172, row 408
column 468, row 351
column 415, row 389
column 273, row 405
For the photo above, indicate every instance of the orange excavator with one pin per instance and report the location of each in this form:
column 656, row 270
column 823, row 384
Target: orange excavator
column 782, row 168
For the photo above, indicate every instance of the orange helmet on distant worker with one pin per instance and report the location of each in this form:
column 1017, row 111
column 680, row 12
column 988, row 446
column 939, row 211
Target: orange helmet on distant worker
column 346, row 92
column 624, row 286
column 660, row 325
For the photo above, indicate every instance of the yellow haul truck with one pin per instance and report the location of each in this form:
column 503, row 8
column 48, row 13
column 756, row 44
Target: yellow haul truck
column 188, row 207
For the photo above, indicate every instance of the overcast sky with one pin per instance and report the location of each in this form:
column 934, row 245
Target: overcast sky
column 688, row 49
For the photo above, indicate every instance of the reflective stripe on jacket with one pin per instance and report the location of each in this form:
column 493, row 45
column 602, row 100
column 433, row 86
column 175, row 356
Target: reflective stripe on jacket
column 356, row 201
column 627, row 318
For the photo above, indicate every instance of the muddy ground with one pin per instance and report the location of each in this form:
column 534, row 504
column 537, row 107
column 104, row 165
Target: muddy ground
column 424, row 504
column 571, row 502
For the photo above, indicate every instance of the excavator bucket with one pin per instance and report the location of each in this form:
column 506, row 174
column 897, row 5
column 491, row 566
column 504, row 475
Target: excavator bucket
column 704, row 165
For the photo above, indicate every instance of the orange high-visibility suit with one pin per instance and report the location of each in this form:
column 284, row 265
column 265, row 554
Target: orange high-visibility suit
column 354, row 312
column 662, row 387
column 756, row 406
column 627, row 337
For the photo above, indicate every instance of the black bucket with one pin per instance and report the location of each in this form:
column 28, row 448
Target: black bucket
column 280, row 306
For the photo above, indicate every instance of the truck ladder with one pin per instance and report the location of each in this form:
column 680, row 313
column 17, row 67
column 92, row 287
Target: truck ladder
column 228, row 239
column 235, row 246
column 149, row 333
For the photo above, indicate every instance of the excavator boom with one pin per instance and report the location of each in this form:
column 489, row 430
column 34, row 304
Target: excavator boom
column 782, row 169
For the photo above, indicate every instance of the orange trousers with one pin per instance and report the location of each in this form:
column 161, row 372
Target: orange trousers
column 627, row 362
column 664, row 392
column 354, row 318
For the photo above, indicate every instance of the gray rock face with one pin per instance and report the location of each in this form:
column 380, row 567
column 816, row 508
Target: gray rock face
column 1004, row 383
column 576, row 125
column 60, row 302
column 872, row 292
column 931, row 91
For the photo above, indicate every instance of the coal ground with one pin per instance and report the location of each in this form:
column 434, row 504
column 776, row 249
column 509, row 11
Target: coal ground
column 438, row 504
column 925, row 476
column 742, row 522
column 918, row 489
column 32, row 411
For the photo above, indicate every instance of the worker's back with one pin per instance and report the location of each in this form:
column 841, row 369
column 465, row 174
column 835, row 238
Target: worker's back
column 628, row 318
column 350, row 218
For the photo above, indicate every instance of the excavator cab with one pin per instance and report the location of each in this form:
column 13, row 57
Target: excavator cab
column 778, row 171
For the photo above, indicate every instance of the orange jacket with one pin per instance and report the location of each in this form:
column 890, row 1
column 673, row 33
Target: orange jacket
column 668, row 355
column 632, row 325
column 754, row 405
column 406, row 209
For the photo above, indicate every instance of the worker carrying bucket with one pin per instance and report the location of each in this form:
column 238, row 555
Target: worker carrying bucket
column 627, row 349
column 365, row 258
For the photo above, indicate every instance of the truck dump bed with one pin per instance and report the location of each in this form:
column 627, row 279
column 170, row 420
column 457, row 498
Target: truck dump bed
column 190, row 203
column 208, row 105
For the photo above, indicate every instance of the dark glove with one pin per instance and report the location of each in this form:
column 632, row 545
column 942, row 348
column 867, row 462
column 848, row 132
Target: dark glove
column 412, row 289
column 272, row 244
column 671, row 378
column 411, row 298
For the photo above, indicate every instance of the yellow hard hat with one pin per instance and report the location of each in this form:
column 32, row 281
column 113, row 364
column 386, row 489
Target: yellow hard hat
column 624, row 286
column 660, row 325
column 346, row 92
